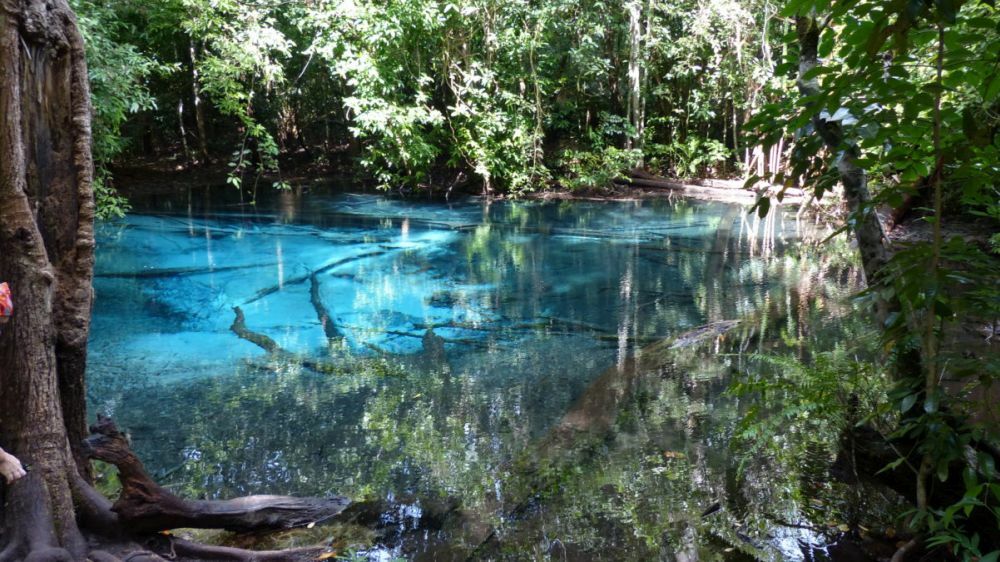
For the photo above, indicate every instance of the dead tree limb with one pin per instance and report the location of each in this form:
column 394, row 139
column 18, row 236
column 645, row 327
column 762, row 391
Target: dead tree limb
column 303, row 278
column 239, row 327
column 325, row 319
column 145, row 506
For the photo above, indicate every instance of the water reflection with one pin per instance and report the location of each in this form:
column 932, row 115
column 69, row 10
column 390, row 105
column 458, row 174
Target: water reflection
column 498, row 354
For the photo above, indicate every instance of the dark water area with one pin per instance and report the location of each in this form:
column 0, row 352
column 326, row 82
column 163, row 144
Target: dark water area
column 484, row 356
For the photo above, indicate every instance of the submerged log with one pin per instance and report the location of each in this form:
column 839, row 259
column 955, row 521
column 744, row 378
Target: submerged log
column 145, row 506
column 591, row 419
column 239, row 327
column 595, row 411
column 265, row 342
column 324, row 316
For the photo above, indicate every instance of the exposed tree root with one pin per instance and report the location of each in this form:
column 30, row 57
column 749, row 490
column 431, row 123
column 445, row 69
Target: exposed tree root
column 184, row 550
column 145, row 506
column 31, row 534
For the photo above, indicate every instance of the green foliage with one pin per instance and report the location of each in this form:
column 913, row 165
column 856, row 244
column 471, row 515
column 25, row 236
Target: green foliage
column 106, row 479
column 905, row 91
column 118, row 72
column 110, row 205
column 429, row 93
column 243, row 59
column 597, row 168
column 695, row 157
column 818, row 400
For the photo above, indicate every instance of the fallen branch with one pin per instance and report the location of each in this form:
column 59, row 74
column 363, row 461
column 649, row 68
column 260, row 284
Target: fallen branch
column 239, row 327
column 145, row 506
column 303, row 278
column 178, row 271
column 325, row 319
column 726, row 190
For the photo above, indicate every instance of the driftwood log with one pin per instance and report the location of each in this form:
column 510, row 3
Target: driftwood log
column 723, row 190
column 145, row 506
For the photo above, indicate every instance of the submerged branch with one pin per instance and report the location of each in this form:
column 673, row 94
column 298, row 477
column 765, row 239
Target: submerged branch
column 178, row 271
column 325, row 319
column 299, row 279
column 239, row 327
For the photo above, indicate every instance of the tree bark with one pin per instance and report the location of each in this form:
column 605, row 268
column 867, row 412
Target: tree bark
column 47, row 257
column 635, row 117
column 46, row 254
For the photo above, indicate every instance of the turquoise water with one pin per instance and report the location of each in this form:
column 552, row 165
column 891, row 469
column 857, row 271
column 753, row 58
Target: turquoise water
column 448, row 341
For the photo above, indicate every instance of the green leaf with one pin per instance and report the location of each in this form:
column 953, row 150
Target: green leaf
column 942, row 471
column 931, row 404
column 969, row 477
column 908, row 401
column 891, row 466
column 992, row 89
column 986, row 463
column 991, row 557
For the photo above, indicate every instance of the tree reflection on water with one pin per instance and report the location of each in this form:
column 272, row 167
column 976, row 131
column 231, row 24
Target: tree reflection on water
column 557, row 415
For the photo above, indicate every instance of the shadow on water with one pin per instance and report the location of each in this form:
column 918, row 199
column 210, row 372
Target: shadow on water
column 502, row 376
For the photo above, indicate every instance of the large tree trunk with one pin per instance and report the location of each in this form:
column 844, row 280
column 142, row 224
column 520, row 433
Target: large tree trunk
column 46, row 254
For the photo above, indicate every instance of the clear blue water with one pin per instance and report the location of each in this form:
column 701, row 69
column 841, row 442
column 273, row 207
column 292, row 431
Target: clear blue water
column 533, row 302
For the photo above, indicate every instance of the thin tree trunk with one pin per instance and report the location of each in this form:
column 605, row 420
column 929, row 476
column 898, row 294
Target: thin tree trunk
column 199, row 109
column 634, row 74
column 867, row 227
column 180, row 124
